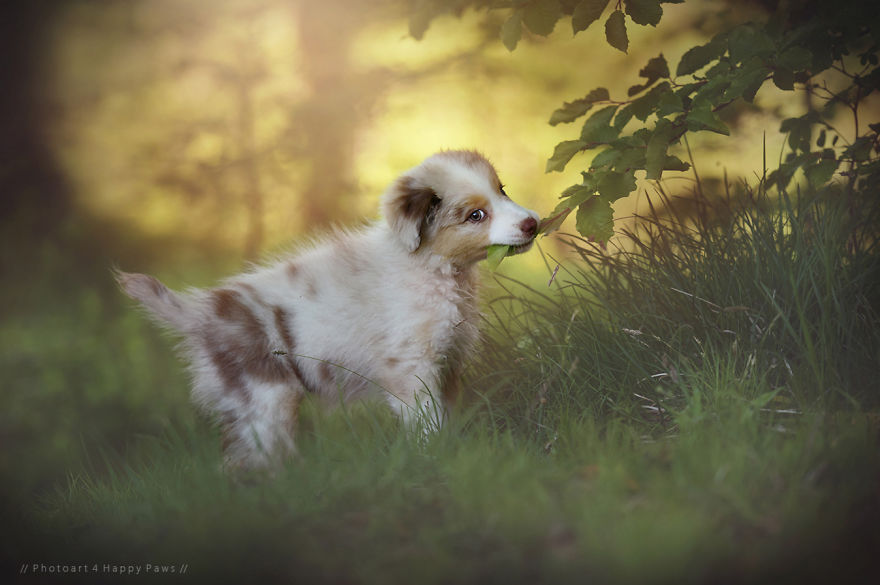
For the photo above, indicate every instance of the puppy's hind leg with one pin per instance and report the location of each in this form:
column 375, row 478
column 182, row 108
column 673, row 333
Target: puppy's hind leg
column 260, row 435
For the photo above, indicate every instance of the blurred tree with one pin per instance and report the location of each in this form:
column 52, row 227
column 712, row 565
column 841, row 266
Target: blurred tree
column 34, row 192
column 335, row 108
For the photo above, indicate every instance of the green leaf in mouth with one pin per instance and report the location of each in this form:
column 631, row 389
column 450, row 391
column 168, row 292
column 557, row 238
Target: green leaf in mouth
column 495, row 254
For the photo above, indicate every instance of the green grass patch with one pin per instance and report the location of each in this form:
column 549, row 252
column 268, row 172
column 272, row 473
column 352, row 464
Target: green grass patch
column 700, row 405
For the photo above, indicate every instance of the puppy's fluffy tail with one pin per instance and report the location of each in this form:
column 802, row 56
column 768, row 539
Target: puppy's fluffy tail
column 167, row 306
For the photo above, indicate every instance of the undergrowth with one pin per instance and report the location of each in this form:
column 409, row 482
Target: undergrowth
column 770, row 302
column 696, row 405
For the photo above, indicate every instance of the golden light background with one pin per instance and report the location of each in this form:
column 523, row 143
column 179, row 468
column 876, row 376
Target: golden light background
column 241, row 126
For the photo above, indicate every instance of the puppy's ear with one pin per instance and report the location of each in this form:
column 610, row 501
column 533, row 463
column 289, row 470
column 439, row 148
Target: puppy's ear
column 409, row 208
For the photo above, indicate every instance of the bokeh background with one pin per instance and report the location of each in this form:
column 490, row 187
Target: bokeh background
column 233, row 127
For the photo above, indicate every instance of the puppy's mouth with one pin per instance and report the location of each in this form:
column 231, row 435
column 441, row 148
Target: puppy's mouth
column 520, row 248
column 513, row 249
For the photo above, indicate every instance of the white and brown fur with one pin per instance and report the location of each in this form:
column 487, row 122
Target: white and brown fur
column 389, row 310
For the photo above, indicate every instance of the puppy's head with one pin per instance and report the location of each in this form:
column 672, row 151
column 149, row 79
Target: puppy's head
column 453, row 205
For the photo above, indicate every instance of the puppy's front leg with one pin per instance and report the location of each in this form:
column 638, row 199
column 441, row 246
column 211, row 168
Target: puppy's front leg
column 417, row 402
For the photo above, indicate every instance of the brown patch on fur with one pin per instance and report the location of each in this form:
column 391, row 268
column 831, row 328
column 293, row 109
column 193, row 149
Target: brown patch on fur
column 461, row 245
column 465, row 206
column 159, row 289
column 392, row 362
column 410, row 210
column 228, row 306
column 414, row 200
column 292, row 271
column 281, row 324
column 239, row 345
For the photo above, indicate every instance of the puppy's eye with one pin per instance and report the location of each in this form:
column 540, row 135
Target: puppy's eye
column 477, row 215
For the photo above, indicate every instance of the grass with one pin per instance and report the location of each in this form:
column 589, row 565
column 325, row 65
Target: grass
column 699, row 407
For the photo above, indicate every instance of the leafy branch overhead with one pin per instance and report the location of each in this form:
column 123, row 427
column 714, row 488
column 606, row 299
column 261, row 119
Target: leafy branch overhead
column 792, row 50
column 541, row 16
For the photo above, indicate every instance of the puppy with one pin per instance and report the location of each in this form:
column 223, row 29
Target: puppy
column 390, row 310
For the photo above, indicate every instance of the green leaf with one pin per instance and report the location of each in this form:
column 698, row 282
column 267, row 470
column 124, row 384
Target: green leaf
column 644, row 11
column 669, row 103
column 597, row 95
column 795, row 58
column 673, row 163
column 586, row 13
column 720, row 69
column 782, row 176
column 634, row 89
column 511, row 31
column 820, row 173
column 783, row 78
column 698, row 57
column 606, row 158
column 684, row 92
column 571, row 198
column 595, row 219
column 577, row 194
column 541, row 16
column 631, row 159
column 589, row 180
column 623, row 116
column 645, row 105
column 563, row 153
column 615, row 31
column 554, row 220
column 614, row 185
column 495, row 254
column 703, row 118
column 799, row 131
column 641, row 136
column 746, row 81
column 860, row 150
column 711, row 91
column 571, row 111
column 655, row 69
column 655, row 155
column 747, row 41
column 598, row 128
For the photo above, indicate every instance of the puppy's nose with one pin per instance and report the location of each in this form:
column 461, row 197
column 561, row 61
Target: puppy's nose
column 529, row 227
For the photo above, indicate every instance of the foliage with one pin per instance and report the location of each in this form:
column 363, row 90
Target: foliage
column 781, row 295
column 541, row 16
column 796, row 49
